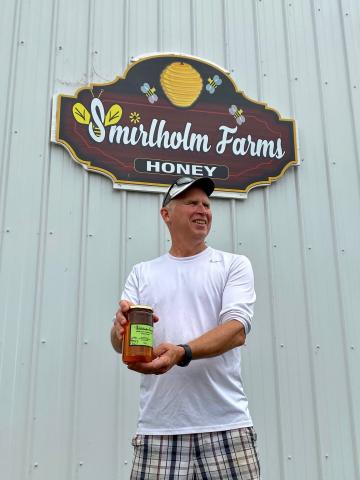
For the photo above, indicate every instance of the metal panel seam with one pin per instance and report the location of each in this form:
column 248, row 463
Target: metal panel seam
column 234, row 230
column 160, row 17
column 5, row 154
column 192, row 28
column 226, row 34
column 351, row 97
column 273, row 329
column 304, row 271
column 335, row 243
column 126, row 22
column 270, row 263
column 40, row 262
column 80, row 328
column 82, row 279
column 120, row 379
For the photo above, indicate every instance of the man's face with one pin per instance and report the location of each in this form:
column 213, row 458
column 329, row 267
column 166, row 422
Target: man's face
column 189, row 215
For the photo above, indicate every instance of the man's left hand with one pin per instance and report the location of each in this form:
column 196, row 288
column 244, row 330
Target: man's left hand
column 167, row 355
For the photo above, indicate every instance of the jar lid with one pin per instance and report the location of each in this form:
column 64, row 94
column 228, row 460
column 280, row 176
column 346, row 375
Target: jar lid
column 141, row 307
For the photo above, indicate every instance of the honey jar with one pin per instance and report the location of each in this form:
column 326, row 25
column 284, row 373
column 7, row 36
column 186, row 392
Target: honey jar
column 138, row 335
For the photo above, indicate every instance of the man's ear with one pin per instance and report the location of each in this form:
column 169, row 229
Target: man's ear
column 164, row 212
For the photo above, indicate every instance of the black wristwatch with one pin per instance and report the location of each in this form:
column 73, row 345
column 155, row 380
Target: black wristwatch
column 187, row 357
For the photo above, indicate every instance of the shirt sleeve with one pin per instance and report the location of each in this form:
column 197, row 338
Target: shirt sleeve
column 131, row 288
column 239, row 293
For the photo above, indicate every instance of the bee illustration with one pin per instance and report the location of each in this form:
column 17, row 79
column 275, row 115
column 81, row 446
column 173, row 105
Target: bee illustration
column 237, row 114
column 213, row 83
column 149, row 92
column 97, row 119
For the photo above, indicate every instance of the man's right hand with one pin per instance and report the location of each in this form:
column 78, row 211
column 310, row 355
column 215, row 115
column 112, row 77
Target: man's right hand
column 120, row 321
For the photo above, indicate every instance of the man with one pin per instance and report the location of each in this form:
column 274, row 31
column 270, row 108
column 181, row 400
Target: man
column 194, row 420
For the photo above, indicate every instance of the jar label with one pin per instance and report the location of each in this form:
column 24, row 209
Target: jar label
column 141, row 335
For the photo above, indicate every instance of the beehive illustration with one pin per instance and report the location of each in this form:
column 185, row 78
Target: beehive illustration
column 181, row 83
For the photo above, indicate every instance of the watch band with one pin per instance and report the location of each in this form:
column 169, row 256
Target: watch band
column 187, row 357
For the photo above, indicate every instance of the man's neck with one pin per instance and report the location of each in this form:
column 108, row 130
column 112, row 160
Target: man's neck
column 181, row 250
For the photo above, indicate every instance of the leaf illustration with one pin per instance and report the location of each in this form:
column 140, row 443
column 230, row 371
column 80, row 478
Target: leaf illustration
column 81, row 114
column 113, row 115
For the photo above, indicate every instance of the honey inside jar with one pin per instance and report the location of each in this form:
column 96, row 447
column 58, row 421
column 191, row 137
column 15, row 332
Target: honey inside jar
column 138, row 336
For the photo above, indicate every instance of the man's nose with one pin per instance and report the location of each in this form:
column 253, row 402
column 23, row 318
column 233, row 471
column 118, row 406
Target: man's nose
column 201, row 208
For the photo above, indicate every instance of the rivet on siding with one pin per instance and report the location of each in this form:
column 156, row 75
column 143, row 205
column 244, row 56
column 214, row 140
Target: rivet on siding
column 51, row 233
column 90, row 234
column 43, row 341
column 7, row 230
column 289, row 457
column 36, row 465
column 309, row 248
column 60, row 47
column 317, row 347
column 296, row 78
column 86, row 342
column 282, row 345
column 22, row 42
column 129, row 237
column 354, row 86
column 334, row 163
column 125, row 462
column 352, row 347
column 264, row 74
column 240, row 243
column 274, row 245
column 81, row 464
column 326, row 83
column 327, row 455
column 343, row 250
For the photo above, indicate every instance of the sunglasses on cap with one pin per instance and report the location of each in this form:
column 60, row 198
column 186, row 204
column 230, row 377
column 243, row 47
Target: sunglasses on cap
column 183, row 183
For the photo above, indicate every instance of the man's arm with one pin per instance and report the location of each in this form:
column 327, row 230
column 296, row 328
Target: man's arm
column 218, row 340
column 212, row 343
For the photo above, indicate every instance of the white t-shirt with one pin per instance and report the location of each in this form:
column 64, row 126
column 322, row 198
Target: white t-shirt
column 192, row 295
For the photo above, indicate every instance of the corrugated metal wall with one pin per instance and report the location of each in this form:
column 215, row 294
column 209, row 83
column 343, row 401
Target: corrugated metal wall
column 67, row 405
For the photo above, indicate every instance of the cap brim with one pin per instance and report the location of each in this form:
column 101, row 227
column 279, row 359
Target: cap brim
column 205, row 183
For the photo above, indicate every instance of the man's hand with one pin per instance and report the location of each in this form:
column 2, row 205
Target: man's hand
column 120, row 321
column 167, row 355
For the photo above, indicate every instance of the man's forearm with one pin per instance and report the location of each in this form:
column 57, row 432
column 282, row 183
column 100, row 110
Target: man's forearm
column 218, row 340
column 214, row 342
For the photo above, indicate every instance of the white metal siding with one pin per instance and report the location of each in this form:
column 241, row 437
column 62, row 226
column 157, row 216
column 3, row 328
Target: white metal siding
column 67, row 239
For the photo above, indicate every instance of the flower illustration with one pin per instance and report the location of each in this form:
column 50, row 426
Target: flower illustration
column 134, row 117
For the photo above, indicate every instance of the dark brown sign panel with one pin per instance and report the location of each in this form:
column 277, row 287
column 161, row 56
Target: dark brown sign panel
column 175, row 115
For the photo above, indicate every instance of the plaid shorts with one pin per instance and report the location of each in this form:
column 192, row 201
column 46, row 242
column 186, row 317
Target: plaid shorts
column 223, row 455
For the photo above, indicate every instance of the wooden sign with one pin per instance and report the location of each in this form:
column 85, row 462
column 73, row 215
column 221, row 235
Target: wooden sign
column 175, row 115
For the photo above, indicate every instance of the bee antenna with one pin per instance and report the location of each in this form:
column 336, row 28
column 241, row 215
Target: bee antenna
column 101, row 91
